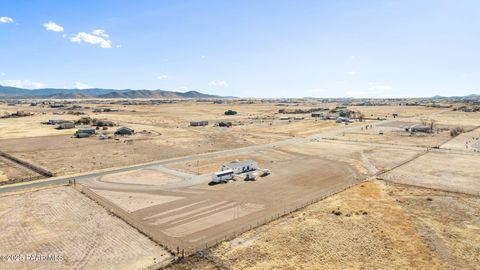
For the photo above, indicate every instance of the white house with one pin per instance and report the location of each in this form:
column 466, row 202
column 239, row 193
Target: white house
column 240, row 166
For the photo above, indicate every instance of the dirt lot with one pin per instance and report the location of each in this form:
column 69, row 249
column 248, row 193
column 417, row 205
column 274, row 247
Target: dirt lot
column 62, row 222
column 451, row 172
column 163, row 129
column 373, row 225
column 194, row 215
column 197, row 214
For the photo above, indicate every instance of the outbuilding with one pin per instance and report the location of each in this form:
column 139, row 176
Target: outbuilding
column 124, row 131
column 84, row 132
column 66, row 125
column 420, row 128
column 230, row 112
column 198, row 123
column 240, row 166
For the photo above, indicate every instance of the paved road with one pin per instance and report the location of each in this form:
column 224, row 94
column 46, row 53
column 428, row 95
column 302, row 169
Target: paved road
column 291, row 141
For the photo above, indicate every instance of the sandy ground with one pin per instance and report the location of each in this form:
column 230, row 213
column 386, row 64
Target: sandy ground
column 62, row 222
column 141, row 177
column 451, row 172
column 373, row 225
column 130, row 201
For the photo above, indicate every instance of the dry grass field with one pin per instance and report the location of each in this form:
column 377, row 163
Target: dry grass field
column 62, row 222
column 374, row 225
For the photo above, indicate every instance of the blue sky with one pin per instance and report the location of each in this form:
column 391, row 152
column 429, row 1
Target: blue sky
column 263, row 48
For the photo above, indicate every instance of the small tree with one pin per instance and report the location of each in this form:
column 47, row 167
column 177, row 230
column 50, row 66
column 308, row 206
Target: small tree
column 456, row 131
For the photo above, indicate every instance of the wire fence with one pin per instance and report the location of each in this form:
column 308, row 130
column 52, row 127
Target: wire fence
column 181, row 248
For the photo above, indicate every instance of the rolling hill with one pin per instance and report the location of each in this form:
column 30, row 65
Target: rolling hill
column 13, row 92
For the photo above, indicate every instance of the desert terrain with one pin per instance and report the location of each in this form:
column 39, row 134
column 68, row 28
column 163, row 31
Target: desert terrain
column 368, row 192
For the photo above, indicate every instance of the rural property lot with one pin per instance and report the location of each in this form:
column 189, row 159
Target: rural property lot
column 189, row 214
column 62, row 222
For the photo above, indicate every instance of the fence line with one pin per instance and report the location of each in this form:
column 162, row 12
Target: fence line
column 180, row 248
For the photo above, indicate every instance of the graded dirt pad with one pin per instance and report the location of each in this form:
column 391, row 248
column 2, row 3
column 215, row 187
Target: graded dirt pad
column 131, row 202
column 373, row 225
column 204, row 215
column 446, row 171
column 141, row 177
column 62, row 222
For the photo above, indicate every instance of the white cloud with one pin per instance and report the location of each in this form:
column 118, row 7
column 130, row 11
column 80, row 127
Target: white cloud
column 22, row 84
column 118, row 46
column 100, row 32
column 218, row 83
column 80, row 85
column 163, row 76
column 3, row 73
column 182, row 88
column 98, row 37
column 51, row 26
column 6, row 20
column 202, row 56
column 352, row 73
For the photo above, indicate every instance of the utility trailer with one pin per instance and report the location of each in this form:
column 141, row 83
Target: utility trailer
column 222, row 177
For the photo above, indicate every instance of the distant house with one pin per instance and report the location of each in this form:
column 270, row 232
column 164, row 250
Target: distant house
column 343, row 120
column 198, row 123
column 419, row 128
column 240, row 166
column 317, row 114
column 225, row 124
column 230, row 112
column 124, row 131
column 104, row 123
column 84, row 132
column 66, row 125
column 55, row 122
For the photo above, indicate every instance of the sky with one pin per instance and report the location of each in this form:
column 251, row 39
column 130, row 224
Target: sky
column 247, row 48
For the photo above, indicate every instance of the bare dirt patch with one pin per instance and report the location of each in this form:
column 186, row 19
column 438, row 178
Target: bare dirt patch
column 130, row 201
column 60, row 221
column 142, row 177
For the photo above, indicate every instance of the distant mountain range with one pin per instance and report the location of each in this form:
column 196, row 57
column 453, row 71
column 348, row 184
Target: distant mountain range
column 13, row 92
